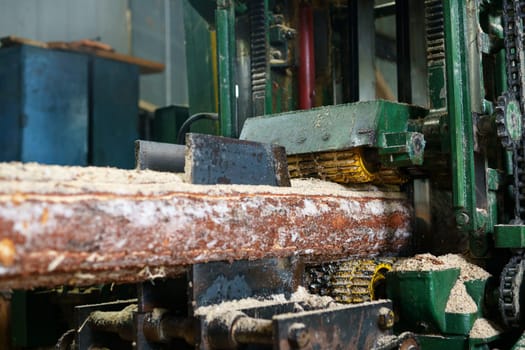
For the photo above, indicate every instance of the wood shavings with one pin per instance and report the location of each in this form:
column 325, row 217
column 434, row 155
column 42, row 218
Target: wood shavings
column 420, row 262
column 429, row 262
column 19, row 179
column 301, row 295
column 484, row 329
column 469, row 271
column 459, row 301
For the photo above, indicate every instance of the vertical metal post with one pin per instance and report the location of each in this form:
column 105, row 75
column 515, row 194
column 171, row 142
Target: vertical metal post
column 418, row 62
column 366, row 50
column 167, row 49
column 361, row 84
column 404, row 79
column 225, row 20
column 460, row 119
column 307, row 58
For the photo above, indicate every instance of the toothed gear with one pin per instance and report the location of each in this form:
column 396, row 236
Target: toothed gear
column 351, row 281
column 508, row 120
column 510, row 290
column 513, row 23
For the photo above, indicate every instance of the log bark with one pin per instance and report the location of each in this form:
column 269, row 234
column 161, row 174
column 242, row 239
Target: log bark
column 83, row 226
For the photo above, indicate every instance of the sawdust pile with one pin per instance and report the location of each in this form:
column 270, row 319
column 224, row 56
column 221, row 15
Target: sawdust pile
column 429, row 262
column 469, row 271
column 36, row 178
column 459, row 301
column 484, row 329
column 312, row 301
column 420, row 262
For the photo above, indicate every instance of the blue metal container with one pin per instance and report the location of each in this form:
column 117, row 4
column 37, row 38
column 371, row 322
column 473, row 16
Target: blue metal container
column 114, row 95
column 43, row 106
column 67, row 108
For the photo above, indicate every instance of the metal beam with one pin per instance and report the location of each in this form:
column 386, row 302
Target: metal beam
column 84, row 226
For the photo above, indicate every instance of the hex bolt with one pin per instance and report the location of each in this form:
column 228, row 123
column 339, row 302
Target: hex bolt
column 386, row 318
column 462, row 219
column 298, row 335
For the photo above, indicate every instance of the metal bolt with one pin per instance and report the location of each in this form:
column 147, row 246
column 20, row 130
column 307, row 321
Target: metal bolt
column 386, row 318
column 298, row 335
column 462, row 219
column 326, row 136
column 300, row 139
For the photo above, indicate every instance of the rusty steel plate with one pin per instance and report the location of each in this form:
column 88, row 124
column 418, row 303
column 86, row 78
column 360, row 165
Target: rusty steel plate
column 69, row 225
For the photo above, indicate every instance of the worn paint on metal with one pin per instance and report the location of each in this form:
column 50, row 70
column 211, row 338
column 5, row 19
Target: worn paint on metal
column 331, row 128
column 220, row 160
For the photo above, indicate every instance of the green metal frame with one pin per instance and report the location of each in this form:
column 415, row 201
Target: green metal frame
column 225, row 22
column 460, row 124
column 378, row 124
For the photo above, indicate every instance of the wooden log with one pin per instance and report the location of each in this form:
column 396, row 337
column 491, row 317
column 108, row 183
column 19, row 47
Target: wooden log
column 82, row 226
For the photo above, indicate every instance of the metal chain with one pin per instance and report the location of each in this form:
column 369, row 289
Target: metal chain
column 513, row 16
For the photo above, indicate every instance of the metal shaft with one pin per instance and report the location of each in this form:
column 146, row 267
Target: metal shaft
column 249, row 330
column 159, row 156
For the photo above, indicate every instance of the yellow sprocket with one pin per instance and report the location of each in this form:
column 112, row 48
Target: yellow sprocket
column 357, row 281
column 345, row 167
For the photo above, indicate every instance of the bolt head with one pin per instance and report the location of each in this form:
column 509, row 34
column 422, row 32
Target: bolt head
column 462, row 219
column 298, row 335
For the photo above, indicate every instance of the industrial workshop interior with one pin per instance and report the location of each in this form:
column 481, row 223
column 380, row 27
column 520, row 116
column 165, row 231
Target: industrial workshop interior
column 262, row 174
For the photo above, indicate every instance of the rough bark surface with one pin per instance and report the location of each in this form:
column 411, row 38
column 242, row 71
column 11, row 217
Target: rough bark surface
column 69, row 225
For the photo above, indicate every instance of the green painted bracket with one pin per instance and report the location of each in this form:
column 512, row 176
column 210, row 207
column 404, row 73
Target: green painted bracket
column 421, row 297
column 476, row 289
column 509, row 236
column 401, row 148
column 438, row 342
column 462, row 323
column 459, row 323
column 362, row 124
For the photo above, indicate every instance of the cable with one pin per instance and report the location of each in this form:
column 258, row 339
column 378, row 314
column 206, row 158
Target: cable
column 185, row 127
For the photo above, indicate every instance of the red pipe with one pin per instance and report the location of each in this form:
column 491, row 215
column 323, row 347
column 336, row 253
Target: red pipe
column 306, row 56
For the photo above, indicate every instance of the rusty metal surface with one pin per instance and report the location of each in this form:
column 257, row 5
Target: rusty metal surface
column 215, row 282
column 221, row 160
column 342, row 327
column 68, row 231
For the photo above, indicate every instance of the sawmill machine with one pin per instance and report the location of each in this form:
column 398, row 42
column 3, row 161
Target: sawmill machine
column 421, row 100
column 308, row 75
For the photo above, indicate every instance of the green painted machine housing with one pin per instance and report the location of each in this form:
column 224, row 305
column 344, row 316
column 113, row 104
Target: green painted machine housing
column 379, row 124
column 421, row 297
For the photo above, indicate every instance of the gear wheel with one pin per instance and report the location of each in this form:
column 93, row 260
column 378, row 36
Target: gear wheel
column 351, row 281
column 357, row 281
column 508, row 120
column 511, row 291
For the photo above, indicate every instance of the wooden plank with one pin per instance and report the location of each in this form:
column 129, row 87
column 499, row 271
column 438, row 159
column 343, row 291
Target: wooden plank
column 83, row 226
column 88, row 47
column 13, row 40
column 102, row 50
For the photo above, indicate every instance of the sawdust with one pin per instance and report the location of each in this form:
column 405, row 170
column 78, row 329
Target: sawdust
column 459, row 301
column 483, row 328
column 420, row 262
column 301, row 295
column 429, row 262
column 468, row 270
column 18, row 179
